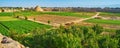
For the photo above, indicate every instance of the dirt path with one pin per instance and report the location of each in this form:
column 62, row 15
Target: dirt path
column 78, row 21
column 88, row 18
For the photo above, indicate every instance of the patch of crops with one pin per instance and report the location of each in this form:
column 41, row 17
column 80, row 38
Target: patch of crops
column 6, row 18
column 100, row 21
column 32, row 13
column 109, row 14
column 3, row 30
column 74, row 14
column 6, row 14
column 23, row 26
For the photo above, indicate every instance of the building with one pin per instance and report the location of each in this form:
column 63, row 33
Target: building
column 38, row 9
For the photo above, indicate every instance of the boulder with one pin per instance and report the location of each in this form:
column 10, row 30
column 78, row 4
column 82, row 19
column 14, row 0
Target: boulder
column 6, row 42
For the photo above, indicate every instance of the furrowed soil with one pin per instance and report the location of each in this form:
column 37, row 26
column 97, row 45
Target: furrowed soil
column 54, row 19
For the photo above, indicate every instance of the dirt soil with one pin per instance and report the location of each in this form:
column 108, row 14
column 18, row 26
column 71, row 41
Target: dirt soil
column 54, row 19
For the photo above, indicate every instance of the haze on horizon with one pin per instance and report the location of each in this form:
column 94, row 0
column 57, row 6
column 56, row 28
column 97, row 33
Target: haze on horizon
column 60, row 3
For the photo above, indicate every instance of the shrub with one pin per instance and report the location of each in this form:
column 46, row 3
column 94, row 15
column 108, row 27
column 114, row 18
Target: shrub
column 118, row 33
column 57, row 41
column 17, row 16
column 26, row 18
column 34, row 19
column 69, row 37
column 49, row 21
column 97, row 28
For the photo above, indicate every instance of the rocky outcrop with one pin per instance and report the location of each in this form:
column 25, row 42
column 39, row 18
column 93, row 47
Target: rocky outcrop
column 6, row 42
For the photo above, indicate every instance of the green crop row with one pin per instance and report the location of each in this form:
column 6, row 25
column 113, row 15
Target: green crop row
column 109, row 14
column 3, row 30
column 32, row 13
column 73, row 14
column 7, row 18
column 100, row 21
column 6, row 14
column 22, row 26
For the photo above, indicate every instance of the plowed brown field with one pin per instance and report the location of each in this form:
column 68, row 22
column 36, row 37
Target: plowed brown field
column 54, row 19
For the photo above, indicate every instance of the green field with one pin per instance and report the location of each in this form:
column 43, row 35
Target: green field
column 6, row 14
column 32, row 13
column 74, row 36
column 6, row 18
column 73, row 14
column 109, row 14
column 100, row 21
column 3, row 30
column 20, row 26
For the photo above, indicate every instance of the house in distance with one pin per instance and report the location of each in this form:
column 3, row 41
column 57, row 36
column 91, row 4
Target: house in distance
column 38, row 9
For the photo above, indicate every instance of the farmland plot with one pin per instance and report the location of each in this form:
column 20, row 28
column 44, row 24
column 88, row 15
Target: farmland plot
column 23, row 25
column 18, row 25
column 71, row 14
column 3, row 30
column 101, row 21
column 53, row 19
column 108, row 14
column 32, row 13
column 6, row 18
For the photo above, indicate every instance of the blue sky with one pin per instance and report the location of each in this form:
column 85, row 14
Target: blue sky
column 60, row 3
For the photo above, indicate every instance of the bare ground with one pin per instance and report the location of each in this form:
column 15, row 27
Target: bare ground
column 54, row 20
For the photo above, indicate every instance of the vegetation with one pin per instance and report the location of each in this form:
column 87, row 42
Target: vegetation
column 98, row 29
column 34, row 19
column 109, row 14
column 26, row 18
column 74, row 14
column 3, row 30
column 36, row 35
column 49, row 21
column 100, row 21
column 70, row 37
column 32, row 13
column 22, row 26
column 6, row 14
column 6, row 18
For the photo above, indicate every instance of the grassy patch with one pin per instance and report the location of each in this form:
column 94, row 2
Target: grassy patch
column 100, row 21
column 32, row 13
column 6, row 14
column 109, row 14
column 3, row 30
column 6, row 18
column 23, row 26
column 73, row 14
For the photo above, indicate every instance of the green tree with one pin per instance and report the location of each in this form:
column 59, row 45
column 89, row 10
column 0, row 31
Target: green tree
column 97, row 28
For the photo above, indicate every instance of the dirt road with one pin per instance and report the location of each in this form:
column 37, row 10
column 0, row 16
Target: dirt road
column 88, row 18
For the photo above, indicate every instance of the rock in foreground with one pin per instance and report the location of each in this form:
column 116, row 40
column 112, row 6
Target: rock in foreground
column 6, row 42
